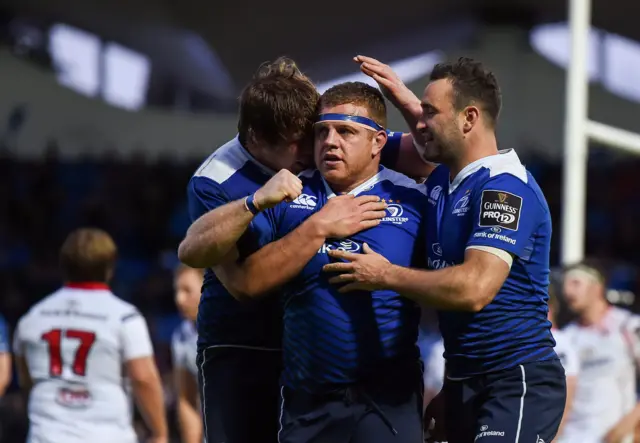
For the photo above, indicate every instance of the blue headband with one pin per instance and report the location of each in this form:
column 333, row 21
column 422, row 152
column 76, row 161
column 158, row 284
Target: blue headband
column 350, row 118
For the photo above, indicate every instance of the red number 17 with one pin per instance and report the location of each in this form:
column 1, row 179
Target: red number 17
column 54, row 339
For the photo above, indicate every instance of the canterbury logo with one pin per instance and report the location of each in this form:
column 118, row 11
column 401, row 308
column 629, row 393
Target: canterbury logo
column 304, row 201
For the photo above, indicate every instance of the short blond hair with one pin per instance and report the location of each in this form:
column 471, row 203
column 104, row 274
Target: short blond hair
column 88, row 254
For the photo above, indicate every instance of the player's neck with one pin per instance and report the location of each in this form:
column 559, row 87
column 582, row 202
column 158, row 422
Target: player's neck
column 354, row 181
column 595, row 313
column 474, row 151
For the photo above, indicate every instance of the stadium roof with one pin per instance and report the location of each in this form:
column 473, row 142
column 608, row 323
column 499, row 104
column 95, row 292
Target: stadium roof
column 321, row 35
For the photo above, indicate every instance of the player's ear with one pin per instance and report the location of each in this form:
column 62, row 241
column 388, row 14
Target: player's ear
column 379, row 140
column 471, row 116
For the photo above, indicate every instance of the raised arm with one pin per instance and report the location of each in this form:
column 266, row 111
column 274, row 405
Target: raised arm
column 213, row 236
column 406, row 156
column 280, row 261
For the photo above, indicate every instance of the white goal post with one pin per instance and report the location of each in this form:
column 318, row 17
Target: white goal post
column 578, row 131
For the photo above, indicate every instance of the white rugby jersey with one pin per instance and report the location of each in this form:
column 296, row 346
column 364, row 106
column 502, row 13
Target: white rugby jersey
column 75, row 343
column 606, row 384
column 567, row 354
column 184, row 346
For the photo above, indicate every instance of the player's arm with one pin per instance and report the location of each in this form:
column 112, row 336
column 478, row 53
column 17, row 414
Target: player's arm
column 219, row 223
column 140, row 367
column 279, row 261
column 22, row 369
column 5, row 357
column 189, row 421
column 498, row 236
column 403, row 154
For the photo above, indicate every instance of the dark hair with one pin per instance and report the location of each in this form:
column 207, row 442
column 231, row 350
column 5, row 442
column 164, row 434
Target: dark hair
column 279, row 104
column 472, row 83
column 359, row 94
column 88, row 255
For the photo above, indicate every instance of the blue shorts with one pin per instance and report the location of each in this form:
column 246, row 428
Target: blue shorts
column 517, row 405
column 388, row 410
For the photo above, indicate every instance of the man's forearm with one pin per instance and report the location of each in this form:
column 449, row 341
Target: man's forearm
column 189, row 421
column 213, row 235
column 411, row 112
column 444, row 289
column 150, row 401
column 274, row 264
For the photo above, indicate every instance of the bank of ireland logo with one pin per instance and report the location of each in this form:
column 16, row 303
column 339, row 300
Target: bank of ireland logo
column 342, row 245
column 304, row 201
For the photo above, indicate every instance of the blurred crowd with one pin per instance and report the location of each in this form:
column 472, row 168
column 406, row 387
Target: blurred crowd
column 141, row 203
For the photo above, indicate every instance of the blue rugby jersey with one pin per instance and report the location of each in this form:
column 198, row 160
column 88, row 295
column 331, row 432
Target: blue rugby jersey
column 493, row 202
column 332, row 339
column 4, row 336
column 231, row 173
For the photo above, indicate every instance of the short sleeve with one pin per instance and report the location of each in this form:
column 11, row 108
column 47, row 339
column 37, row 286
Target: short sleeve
column 391, row 150
column 506, row 214
column 203, row 195
column 177, row 350
column 631, row 331
column 4, row 336
column 567, row 354
column 136, row 342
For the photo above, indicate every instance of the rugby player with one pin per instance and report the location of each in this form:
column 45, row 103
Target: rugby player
column 488, row 233
column 187, row 284
column 606, row 338
column 277, row 111
column 352, row 369
column 71, row 349
column 568, row 356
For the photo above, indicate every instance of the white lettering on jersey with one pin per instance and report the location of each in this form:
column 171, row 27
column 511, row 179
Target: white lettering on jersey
column 75, row 343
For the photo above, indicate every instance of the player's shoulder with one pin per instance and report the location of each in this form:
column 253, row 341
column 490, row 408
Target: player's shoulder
column 183, row 332
column 310, row 177
column 402, row 182
column 225, row 162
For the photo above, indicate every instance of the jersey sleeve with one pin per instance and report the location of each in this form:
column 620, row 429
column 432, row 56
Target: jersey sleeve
column 391, row 150
column 631, row 333
column 4, row 336
column 177, row 350
column 135, row 339
column 567, row 354
column 506, row 213
column 203, row 195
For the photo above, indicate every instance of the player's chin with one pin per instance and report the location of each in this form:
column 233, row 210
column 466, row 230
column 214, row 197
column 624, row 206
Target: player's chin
column 333, row 171
column 432, row 152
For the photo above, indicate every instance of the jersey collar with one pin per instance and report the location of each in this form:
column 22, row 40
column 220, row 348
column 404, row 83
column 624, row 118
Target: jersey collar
column 88, row 285
column 253, row 160
column 362, row 187
column 499, row 160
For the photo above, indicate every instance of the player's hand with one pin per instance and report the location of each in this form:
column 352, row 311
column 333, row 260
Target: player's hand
column 621, row 430
column 346, row 215
column 361, row 272
column 284, row 186
column 434, row 420
column 390, row 84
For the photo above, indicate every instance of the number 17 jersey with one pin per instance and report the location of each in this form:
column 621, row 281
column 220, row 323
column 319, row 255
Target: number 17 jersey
column 75, row 343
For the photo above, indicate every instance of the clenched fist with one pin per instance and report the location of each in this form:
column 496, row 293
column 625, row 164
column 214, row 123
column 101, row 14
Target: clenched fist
column 284, row 186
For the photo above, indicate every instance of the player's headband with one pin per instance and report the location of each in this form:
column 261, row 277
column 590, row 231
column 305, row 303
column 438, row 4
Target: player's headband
column 359, row 120
column 585, row 272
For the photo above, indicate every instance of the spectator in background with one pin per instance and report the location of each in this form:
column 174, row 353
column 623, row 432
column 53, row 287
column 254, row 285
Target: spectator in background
column 187, row 284
column 5, row 356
